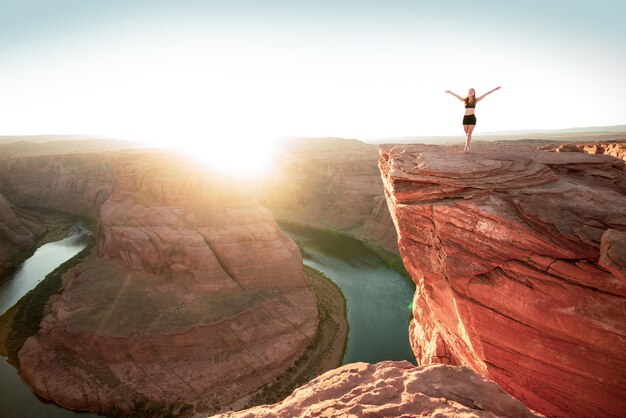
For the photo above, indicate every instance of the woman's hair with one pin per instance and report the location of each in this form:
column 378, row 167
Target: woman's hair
column 469, row 100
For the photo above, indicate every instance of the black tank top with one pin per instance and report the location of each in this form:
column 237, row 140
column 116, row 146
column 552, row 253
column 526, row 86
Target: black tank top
column 470, row 106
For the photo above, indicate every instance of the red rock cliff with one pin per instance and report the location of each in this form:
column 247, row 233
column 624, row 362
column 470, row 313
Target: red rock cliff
column 77, row 184
column 18, row 231
column 519, row 258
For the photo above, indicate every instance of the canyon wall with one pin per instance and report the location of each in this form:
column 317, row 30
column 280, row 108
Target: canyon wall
column 77, row 184
column 18, row 231
column 68, row 183
column 519, row 260
column 192, row 299
column 331, row 183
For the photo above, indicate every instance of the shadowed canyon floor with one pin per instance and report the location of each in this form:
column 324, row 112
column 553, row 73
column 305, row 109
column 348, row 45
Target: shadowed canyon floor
column 517, row 255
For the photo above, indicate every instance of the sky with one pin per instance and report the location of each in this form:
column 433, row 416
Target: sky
column 190, row 70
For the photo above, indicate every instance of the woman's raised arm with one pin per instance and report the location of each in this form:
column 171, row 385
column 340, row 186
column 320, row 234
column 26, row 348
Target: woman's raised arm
column 489, row 92
column 456, row 95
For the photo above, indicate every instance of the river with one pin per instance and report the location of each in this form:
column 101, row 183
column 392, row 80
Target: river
column 377, row 301
column 378, row 298
column 16, row 399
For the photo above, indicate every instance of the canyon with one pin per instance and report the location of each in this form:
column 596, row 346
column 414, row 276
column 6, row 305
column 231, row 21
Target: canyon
column 192, row 298
column 333, row 184
column 518, row 256
column 18, row 230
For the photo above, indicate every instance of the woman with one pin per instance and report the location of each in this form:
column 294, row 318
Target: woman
column 469, row 120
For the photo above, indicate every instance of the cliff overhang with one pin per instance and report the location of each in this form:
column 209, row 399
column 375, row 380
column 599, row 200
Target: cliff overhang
column 518, row 258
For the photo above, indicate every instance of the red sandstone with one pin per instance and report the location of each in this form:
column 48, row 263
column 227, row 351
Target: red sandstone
column 393, row 389
column 518, row 258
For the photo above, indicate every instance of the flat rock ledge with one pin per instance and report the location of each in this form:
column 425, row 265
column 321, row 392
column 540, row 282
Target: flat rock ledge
column 393, row 389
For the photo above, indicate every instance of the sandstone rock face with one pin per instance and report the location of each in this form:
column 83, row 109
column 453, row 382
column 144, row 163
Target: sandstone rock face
column 518, row 258
column 614, row 148
column 18, row 231
column 331, row 183
column 194, row 299
column 77, row 184
column 394, row 389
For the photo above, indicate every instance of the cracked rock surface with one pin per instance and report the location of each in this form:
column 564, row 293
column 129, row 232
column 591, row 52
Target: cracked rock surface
column 394, row 389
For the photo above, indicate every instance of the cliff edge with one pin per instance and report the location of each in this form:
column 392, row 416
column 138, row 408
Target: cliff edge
column 518, row 258
column 393, row 389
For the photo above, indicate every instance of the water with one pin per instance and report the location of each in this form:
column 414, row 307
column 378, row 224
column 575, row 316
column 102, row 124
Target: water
column 43, row 261
column 378, row 298
column 16, row 399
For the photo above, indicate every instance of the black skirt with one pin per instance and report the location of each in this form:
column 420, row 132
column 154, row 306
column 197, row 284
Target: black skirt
column 469, row 120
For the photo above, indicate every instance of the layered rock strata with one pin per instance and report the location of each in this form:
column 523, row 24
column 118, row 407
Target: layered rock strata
column 18, row 231
column 393, row 389
column 614, row 148
column 518, row 258
column 194, row 299
column 331, row 183
column 76, row 184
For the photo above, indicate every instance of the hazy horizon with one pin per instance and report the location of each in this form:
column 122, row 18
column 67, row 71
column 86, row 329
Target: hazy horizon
column 609, row 129
column 196, row 71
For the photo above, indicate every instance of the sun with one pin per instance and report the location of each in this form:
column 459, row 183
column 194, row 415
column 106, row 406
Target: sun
column 241, row 156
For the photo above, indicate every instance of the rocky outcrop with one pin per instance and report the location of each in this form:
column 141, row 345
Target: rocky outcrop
column 194, row 298
column 76, row 184
column 614, row 148
column 393, row 389
column 518, row 258
column 18, row 231
column 331, row 183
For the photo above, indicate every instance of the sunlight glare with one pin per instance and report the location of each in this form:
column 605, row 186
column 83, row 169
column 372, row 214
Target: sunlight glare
column 233, row 155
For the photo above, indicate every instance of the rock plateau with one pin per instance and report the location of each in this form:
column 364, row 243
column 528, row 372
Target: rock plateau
column 518, row 258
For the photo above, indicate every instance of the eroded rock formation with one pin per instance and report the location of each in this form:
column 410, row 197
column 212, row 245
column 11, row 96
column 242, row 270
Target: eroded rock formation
column 518, row 258
column 393, row 389
column 77, row 184
column 18, row 231
column 194, row 298
column 614, row 148
column 331, row 183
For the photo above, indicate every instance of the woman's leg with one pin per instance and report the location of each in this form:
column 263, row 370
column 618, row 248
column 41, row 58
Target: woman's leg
column 468, row 138
column 466, row 129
